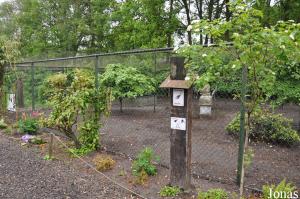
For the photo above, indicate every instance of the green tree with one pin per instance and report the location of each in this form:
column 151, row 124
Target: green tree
column 258, row 51
column 126, row 82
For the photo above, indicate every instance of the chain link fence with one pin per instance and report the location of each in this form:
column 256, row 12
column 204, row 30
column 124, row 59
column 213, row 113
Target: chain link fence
column 145, row 121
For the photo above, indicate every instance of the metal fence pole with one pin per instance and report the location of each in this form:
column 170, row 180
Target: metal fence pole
column 242, row 126
column 32, row 87
column 154, row 96
column 96, row 73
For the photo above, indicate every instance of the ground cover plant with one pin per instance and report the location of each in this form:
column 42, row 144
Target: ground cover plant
column 144, row 162
column 169, row 191
column 213, row 194
column 76, row 107
column 282, row 190
column 3, row 125
column 28, row 124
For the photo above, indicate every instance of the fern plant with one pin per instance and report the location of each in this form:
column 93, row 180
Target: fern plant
column 282, row 190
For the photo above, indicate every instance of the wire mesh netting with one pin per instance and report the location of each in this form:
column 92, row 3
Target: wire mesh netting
column 145, row 121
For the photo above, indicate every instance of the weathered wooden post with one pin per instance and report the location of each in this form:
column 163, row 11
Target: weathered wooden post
column 181, row 124
column 20, row 93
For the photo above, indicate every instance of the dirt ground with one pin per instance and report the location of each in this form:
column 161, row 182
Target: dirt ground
column 214, row 153
column 73, row 176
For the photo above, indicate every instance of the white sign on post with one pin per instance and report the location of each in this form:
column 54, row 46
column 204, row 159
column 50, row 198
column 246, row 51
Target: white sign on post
column 178, row 97
column 178, row 123
column 11, row 105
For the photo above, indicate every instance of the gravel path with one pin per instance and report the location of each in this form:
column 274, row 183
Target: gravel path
column 23, row 174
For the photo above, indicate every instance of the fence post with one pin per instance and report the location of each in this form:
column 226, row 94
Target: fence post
column 154, row 96
column 50, row 152
column 32, row 87
column 181, row 125
column 20, row 93
column 240, row 170
column 96, row 73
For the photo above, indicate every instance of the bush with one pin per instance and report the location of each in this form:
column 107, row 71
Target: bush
column 286, row 190
column 36, row 140
column 213, row 194
column 28, row 125
column 144, row 162
column 104, row 163
column 267, row 127
column 141, row 178
column 76, row 106
column 82, row 151
column 3, row 125
column 169, row 191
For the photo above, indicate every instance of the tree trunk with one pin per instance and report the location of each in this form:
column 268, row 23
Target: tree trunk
column 199, row 5
column 188, row 18
column 72, row 135
column 169, row 34
column 210, row 15
column 121, row 104
column 245, row 149
column 227, row 15
column 2, row 97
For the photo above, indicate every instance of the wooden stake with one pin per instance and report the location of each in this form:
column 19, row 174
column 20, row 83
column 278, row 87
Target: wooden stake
column 50, row 153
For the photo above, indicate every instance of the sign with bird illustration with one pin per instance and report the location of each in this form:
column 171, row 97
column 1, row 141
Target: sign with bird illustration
column 178, row 123
column 178, row 97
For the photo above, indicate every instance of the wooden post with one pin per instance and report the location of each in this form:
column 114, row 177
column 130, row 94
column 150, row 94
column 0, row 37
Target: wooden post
column 180, row 151
column 20, row 93
column 51, row 147
column 32, row 87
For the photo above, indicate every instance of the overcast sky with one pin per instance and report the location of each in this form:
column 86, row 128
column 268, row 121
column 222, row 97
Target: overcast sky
column 2, row 1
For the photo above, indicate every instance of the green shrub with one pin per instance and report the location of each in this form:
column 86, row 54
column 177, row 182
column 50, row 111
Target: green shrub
column 286, row 190
column 82, row 151
column 144, row 162
column 36, row 140
column 28, row 125
column 267, row 127
column 8, row 130
column 3, row 125
column 169, row 191
column 213, row 194
column 76, row 106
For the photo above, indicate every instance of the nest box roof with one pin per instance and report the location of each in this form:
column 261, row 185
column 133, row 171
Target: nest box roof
column 169, row 83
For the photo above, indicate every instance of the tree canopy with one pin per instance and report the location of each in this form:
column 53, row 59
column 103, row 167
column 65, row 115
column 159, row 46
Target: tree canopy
column 64, row 28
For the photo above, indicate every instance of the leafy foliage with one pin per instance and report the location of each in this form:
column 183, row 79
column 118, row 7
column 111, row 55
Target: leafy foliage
column 144, row 162
column 126, row 82
column 267, row 127
column 3, row 125
column 169, row 191
column 28, row 125
column 213, row 194
column 283, row 188
column 76, row 106
column 269, row 54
